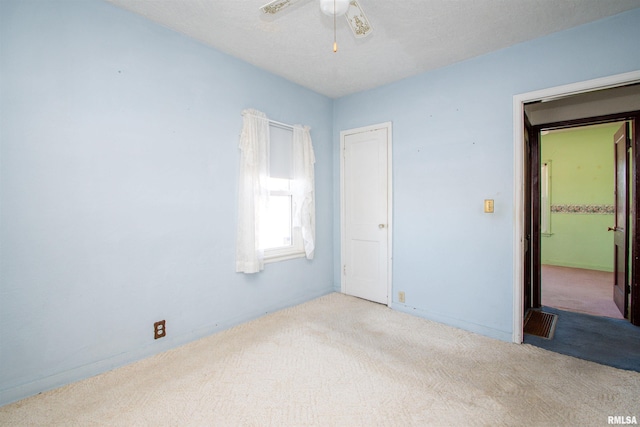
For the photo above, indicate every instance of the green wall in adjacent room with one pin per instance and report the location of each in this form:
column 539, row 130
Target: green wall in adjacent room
column 581, row 173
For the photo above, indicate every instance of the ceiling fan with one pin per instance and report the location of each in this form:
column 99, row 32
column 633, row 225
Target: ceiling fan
column 356, row 18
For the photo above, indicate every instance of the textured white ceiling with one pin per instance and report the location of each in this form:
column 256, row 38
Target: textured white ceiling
column 409, row 36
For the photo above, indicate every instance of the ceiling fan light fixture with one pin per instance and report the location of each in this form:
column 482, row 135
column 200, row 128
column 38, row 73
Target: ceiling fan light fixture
column 334, row 7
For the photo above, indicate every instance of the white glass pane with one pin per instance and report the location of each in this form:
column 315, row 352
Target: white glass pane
column 281, row 152
column 279, row 184
column 277, row 232
column 545, row 208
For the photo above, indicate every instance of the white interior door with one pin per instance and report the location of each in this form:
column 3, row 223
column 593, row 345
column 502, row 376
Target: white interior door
column 366, row 217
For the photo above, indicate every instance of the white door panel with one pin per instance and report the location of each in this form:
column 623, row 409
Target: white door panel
column 366, row 214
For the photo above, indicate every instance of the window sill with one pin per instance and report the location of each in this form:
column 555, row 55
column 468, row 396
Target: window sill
column 276, row 257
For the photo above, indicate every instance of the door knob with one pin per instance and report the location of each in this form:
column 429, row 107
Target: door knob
column 380, row 225
column 611, row 229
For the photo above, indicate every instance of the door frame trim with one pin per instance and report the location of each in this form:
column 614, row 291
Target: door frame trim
column 343, row 134
column 519, row 102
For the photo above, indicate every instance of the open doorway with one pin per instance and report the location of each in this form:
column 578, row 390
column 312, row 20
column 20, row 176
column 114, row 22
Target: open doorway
column 577, row 217
column 599, row 97
column 615, row 342
column 580, row 215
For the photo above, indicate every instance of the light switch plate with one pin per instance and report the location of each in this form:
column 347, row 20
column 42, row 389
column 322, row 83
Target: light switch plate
column 488, row 205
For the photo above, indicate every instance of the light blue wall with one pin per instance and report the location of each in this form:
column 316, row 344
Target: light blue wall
column 119, row 164
column 452, row 148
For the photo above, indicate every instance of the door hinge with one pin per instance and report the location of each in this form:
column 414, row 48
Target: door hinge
column 344, row 270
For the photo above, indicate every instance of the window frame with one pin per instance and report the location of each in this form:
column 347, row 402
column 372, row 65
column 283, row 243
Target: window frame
column 545, row 198
column 296, row 249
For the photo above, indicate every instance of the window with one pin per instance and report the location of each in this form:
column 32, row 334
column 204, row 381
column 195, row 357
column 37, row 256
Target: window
column 279, row 239
column 276, row 204
column 545, row 198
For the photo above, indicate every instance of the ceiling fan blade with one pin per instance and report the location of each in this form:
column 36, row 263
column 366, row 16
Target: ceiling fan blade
column 276, row 6
column 357, row 20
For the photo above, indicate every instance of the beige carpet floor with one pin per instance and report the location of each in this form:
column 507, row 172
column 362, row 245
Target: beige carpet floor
column 342, row 361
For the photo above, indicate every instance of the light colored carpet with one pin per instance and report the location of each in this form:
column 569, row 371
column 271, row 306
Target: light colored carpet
column 342, row 361
column 579, row 290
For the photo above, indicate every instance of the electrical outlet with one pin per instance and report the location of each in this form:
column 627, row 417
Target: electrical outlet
column 159, row 330
column 401, row 296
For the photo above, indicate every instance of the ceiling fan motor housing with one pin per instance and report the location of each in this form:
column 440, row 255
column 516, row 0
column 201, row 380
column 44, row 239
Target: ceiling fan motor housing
column 334, row 7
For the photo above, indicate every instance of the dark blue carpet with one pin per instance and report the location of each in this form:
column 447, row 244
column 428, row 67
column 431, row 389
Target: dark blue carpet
column 612, row 342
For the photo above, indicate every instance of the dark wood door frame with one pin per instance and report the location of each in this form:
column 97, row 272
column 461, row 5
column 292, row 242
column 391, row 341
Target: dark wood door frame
column 621, row 238
column 532, row 294
column 634, row 218
column 528, row 264
column 533, row 250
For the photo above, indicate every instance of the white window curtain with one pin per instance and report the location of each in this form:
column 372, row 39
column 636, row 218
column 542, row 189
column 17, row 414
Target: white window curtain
column 254, row 191
column 304, row 188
